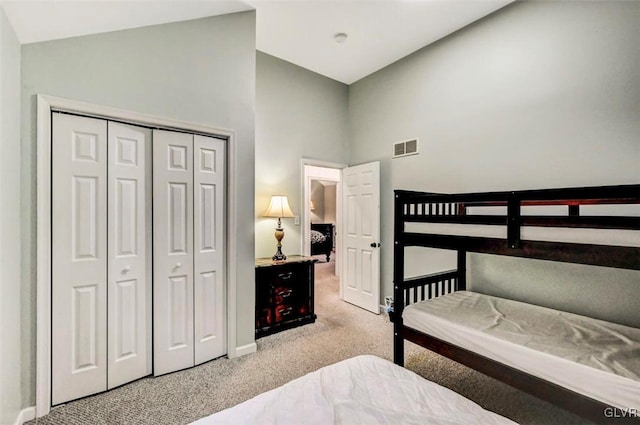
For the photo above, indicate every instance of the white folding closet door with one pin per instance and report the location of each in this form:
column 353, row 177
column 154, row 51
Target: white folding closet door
column 79, row 257
column 103, row 191
column 101, row 264
column 173, row 251
column 189, row 281
column 129, row 274
column 209, row 287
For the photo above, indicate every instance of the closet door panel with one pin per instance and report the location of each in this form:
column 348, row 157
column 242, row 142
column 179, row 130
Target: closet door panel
column 209, row 278
column 79, row 257
column 173, row 251
column 129, row 218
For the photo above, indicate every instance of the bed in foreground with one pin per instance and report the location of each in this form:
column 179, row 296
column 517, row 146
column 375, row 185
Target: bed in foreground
column 363, row 390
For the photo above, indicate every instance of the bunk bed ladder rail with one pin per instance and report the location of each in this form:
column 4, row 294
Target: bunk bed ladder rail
column 412, row 290
column 398, row 278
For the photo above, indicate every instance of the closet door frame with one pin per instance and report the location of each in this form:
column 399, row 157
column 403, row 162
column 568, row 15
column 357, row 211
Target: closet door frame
column 45, row 106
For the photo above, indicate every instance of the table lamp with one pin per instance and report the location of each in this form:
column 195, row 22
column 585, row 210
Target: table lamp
column 279, row 207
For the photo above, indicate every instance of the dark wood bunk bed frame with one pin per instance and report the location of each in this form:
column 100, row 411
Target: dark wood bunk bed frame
column 421, row 207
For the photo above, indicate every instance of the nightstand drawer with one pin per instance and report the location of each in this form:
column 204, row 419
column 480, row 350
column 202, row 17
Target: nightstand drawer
column 283, row 294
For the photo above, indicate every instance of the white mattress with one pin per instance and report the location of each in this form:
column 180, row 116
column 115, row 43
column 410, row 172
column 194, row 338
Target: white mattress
column 363, row 390
column 592, row 357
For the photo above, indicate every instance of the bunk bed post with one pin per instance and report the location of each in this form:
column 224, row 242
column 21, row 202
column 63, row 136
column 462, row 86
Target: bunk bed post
column 462, row 257
column 462, row 270
column 574, row 210
column 513, row 221
column 398, row 279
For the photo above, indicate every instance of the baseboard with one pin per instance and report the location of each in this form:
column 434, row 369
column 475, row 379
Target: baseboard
column 246, row 349
column 26, row 415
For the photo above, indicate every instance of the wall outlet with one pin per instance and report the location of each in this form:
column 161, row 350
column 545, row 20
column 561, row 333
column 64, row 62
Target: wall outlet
column 296, row 220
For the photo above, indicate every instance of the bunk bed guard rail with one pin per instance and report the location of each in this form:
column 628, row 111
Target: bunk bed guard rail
column 423, row 207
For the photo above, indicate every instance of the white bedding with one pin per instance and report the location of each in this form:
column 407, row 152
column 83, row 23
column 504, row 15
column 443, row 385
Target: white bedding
column 364, row 390
column 592, row 357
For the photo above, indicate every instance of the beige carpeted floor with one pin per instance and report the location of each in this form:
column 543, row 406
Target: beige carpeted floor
column 341, row 331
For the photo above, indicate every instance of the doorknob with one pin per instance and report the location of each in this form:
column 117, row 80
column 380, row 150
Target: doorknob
column 126, row 269
column 178, row 265
column 374, row 245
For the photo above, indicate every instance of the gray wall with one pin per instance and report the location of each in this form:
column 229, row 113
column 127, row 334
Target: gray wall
column 317, row 197
column 10, row 358
column 201, row 71
column 330, row 204
column 537, row 95
column 299, row 114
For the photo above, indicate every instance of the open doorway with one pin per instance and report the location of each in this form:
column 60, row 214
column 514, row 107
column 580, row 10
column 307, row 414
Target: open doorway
column 322, row 207
column 321, row 214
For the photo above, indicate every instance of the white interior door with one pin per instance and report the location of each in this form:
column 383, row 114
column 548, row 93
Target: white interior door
column 209, row 279
column 79, row 257
column 129, row 245
column 361, row 236
column 173, row 251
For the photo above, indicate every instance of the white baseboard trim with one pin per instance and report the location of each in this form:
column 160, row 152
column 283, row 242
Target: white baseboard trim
column 26, row 415
column 246, row 349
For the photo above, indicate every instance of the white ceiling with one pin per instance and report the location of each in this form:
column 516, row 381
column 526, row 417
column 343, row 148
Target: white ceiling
column 299, row 31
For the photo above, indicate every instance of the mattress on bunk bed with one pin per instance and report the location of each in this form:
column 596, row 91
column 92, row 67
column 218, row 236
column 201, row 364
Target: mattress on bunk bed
column 593, row 357
column 363, row 390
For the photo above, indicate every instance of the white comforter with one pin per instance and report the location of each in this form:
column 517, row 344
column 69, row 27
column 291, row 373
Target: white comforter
column 364, row 390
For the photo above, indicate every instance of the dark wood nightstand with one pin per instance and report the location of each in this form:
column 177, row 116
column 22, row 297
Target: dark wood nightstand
column 284, row 294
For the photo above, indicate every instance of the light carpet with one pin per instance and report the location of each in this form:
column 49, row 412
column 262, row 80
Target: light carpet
column 341, row 331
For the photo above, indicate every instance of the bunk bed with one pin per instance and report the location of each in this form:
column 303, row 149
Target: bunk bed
column 490, row 334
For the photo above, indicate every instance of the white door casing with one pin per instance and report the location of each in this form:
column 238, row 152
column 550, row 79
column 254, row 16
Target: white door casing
column 129, row 245
column 79, row 257
column 47, row 107
column 209, row 277
column 361, row 236
column 173, row 251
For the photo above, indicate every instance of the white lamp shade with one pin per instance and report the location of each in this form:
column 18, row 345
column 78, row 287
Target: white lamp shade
column 279, row 207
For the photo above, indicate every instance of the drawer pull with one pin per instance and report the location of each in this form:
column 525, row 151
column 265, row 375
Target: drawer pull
column 282, row 312
column 285, row 276
column 284, row 293
column 287, row 311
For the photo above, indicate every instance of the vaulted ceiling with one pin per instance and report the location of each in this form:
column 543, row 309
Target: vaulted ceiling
column 378, row 32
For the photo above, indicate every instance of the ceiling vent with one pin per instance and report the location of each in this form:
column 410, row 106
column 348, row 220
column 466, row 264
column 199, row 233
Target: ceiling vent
column 406, row 148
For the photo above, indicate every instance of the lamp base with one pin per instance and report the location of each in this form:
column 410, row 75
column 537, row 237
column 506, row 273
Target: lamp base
column 279, row 256
column 279, row 235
